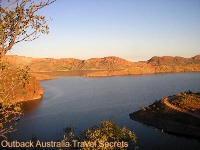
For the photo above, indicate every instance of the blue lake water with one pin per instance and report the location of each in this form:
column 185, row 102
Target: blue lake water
column 84, row 102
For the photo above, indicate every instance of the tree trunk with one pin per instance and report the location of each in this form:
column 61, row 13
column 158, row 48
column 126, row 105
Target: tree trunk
column 2, row 58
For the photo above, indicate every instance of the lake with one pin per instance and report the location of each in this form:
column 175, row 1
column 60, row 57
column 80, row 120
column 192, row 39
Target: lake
column 83, row 102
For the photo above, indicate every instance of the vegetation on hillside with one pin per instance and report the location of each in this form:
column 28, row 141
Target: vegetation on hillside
column 188, row 101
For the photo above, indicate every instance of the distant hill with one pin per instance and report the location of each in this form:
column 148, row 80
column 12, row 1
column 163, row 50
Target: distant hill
column 169, row 60
column 107, row 66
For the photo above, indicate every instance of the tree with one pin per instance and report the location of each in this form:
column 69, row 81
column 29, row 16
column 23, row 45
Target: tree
column 20, row 22
column 11, row 80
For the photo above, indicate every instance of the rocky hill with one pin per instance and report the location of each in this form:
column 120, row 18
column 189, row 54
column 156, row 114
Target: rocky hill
column 107, row 66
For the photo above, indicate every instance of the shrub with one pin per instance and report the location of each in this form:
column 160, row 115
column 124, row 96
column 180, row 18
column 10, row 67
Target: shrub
column 104, row 132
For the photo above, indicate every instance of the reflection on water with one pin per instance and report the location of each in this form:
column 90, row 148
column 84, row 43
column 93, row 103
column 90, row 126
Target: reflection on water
column 30, row 105
column 83, row 102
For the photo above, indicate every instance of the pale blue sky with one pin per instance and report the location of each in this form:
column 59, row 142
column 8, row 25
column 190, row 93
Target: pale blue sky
column 131, row 29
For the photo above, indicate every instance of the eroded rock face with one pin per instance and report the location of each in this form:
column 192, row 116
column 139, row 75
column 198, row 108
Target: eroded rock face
column 109, row 66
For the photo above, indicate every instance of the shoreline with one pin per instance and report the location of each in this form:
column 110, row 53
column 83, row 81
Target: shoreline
column 38, row 97
column 58, row 74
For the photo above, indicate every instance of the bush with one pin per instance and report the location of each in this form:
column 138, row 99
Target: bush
column 106, row 135
column 143, row 109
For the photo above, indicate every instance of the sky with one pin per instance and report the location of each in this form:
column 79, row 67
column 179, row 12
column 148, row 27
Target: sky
column 131, row 29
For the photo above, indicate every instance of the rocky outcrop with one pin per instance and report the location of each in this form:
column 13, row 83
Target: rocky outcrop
column 170, row 118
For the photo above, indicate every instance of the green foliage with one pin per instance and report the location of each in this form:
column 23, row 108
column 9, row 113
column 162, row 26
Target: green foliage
column 1, row 125
column 23, row 75
column 19, row 22
column 108, row 131
column 143, row 109
column 17, row 108
column 104, row 132
column 69, row 133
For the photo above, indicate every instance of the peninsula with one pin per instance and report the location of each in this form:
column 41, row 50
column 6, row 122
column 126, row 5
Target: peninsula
column 178, row 114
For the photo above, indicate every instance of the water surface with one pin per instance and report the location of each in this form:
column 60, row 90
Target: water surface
column 83, row 102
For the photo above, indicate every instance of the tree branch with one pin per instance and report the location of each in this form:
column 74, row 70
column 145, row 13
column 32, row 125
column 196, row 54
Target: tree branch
column 20, row 23
column 10, row 4
column 16, row 31
column 27, row 36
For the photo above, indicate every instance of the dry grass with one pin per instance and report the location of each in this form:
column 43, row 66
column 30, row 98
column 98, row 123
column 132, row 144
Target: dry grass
column 188, row 101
